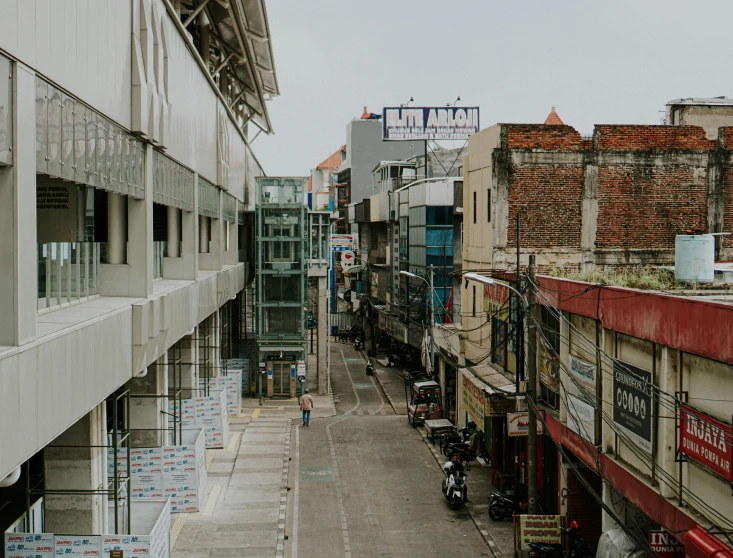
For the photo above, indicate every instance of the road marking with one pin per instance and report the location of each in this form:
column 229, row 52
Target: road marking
column 177, row 528
column 213, row 499
column 255, row 413
column 233, row 442
column 296, row 496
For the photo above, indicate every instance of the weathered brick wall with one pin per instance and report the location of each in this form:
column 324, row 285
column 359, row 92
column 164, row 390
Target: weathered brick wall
column 548, row 199
column 539, row 136
column 645, row 205
column 648, row 138
column 639, row 186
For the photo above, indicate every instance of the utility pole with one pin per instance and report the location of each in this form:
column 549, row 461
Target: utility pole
column 432, row 321
column 531, row 389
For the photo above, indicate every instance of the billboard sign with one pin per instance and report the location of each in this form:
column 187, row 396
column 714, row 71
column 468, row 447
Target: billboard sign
column 473, row 397
column 429, row 123
column 517, row 424
column 707, row 441
column 632, row 403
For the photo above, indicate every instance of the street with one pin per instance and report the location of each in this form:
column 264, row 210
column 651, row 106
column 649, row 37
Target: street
column 366, row 484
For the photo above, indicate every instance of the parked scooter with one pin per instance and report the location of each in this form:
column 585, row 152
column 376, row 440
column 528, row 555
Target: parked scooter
column 454, row 484
column 358, row 344
column 370, row 367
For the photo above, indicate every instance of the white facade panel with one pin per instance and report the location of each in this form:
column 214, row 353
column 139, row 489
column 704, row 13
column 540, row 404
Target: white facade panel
column 193, row 108
column 48, row 385
column 82, row 45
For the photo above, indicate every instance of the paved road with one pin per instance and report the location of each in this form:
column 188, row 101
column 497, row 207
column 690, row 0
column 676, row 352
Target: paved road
column 363, row 483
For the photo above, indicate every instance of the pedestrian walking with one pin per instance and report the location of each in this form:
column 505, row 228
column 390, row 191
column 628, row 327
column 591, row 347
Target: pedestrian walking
column 306, row 405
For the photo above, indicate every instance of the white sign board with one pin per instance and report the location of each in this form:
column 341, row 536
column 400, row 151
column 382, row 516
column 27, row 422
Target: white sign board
column 581, row 418
column 429, row 123
column 517, row 424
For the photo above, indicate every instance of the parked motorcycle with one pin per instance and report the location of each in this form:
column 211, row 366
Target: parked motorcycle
column 454, row 486
column 370, row 367
column 504, row 505
column 358, row 344
column 577, row 547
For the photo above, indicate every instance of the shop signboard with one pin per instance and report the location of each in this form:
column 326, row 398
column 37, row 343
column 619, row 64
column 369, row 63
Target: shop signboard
column 632, row 403
column 78, row 545
column 39, row 545
column 496, row 300
column 429, row 123
column 583, row 380
column 549, row 367
column 582, row 418
column 517, row 424
column 707, row 441
column 538, row 529
column 498, row 407
column 473, row 397
column 665, row 545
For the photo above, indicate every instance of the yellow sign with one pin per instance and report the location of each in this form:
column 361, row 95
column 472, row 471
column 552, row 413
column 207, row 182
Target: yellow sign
column 538, row 529
column 473, row 398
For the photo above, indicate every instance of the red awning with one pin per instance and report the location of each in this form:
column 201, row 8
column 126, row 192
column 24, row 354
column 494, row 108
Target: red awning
column 699, row 544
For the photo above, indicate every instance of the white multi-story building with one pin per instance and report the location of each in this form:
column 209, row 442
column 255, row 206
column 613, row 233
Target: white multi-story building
column 126, row 179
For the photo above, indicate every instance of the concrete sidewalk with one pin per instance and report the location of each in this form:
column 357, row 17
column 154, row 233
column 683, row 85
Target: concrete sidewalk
column 393, row 384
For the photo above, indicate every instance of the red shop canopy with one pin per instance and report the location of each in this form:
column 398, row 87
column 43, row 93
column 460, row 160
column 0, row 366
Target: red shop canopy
column 699, row 544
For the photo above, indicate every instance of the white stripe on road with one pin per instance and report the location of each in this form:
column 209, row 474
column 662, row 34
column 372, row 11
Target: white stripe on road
column 296, row 496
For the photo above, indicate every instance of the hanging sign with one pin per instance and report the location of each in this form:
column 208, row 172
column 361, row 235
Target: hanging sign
column 632, row 403
column 582, row 418
column 707, row 441
column 301, row 368
column 549, row 367
column 429, row 123
column 348, row 259
column 473, row 398
column 583, row 378
column 517, row 424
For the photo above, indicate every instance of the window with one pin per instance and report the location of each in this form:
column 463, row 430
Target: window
column 474, row 208
column 488, row 205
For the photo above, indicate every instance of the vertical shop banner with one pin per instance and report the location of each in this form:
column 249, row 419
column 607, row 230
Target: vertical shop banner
column 581, row 398
column 632, row 403
column 473, row 397
column 707, row 441
column 549, row 367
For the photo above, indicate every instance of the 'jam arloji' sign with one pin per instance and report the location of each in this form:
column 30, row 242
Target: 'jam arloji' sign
column 707, row 441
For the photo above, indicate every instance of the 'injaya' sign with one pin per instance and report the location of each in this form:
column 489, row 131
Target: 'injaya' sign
column 707, row 441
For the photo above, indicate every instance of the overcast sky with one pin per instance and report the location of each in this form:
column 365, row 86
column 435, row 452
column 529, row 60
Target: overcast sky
column 612, row 62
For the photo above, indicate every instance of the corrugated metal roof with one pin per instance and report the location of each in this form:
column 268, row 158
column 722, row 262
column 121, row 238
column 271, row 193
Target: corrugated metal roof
column 702, row 101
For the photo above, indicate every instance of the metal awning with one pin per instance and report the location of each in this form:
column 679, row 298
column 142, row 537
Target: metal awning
column 242, row 31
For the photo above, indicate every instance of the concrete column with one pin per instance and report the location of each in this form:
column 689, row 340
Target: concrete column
column 135, row 277
column 213, row 260
column 607, row 521
column 668, row 381
column 19, row 272
column 140, row 234
column 78, row 468
column 323, row 333
column 174, row 232
column 231, row 255
column 116, row 228
column 184, row 265
column 215, row 339
column 203, row 234
column 146, row 418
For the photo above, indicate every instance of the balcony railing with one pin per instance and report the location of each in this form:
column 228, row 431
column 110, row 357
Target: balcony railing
column 68, row 272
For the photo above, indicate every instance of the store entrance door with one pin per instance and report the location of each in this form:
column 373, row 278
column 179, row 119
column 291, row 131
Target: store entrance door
column 281, row 378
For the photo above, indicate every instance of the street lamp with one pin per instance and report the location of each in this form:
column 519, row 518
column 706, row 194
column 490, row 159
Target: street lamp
column 431, row 307
column 490, row 281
